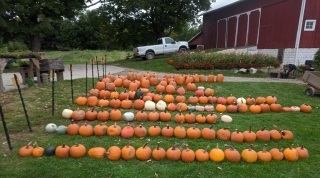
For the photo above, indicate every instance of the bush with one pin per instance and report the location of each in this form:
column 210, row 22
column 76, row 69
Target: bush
column 316, row 60
column 202, row 60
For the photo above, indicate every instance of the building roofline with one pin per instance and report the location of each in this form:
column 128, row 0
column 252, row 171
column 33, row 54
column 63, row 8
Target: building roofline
column 211, row 10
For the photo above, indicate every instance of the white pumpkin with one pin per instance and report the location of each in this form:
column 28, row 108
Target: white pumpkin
column 199, row 108
column 51, row 127
column 66, row 113
column 149, row 105
column 161, row 105
column 241, row 100
column 191, row 108
column 128, row 116
column 200, row 88
column 209, row 108
column 295, row 108
column 226, row 118
column 61, row 129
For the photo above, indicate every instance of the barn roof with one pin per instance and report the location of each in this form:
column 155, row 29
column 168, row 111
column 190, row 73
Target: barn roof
column 224, row 4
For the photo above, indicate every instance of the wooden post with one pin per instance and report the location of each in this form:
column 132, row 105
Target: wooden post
column 92, row 63
column 72, row 100
column 2, row 89
column 52, row 97
column 86, row 79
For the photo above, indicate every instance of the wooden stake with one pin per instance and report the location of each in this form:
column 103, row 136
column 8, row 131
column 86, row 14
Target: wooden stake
column 105, row 64
column 23, row 105
column 97, row 67
column 92, row 73
column 5, row 128
column 86, row 79
column 103, row 67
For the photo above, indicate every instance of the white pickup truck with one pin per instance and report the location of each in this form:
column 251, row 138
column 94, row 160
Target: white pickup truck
column 165, row 45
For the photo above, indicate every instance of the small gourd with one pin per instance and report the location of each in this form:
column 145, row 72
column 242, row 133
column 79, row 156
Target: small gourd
column 161, row 105
column 67, row 113
column 61, row 129
column 149, row 105
column 226, row 118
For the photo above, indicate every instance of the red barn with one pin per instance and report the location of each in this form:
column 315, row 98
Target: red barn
column 286, row 29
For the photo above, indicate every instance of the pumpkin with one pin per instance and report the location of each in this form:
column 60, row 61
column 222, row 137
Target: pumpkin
column 157, row 97
column 221, row 100
column 86, row 130
column 275, row 134
column 165, row 116
column 173, row 153
column 81, row 101
column 271, row 99
column 260, row 100
column 126, row 104
column 209, row 92
column 158, row 153
column 237, row 136
column 250, row 101
column 193, row 100
column 140, row 131
column 190, row 118
column 49, row 150
column 103, row 116
column 210, row 78
column 199, row 108
column 115, row 115
column 208, row 133
column 302, row 152
column 167, row 131
column 242, row 108
column 211, row 118
column 97, row 152
column 224, row 134
column 153, row 116
column 216, row 154
column 180, row 132
column 67, row 113
column 149, row 106
column 115, row 103
column 191, row 108
column 171, row 107
column 219, row 78
column 179, row 118
column 249, row 136
column 232, row 155
column 191, row 87
column 264, row 155
column 38, row 151
column 202, row 155
column 141, row 116
column 249, row 155
column 26, row 151
column 62, row 151
column 264, row 107
column 286, row 109
column 92, row 101
column 143, row 153
column 305, row 108
column 275, row 107
column 255, row 109
column 233, row 108
column 113, row 153
column 91, row 114
column 276, row 154
column 138, row 104
column 103, row 102
column 51, row 127
column 209, row 108
column 221, row 108
column 78, row 115
column 286, row 135
column 114, row 130
column 181, row 91
column 78, row 151
column 161, row 105
column 201, row 118
column 212, row 99
column 61, row 129
column 226, row 118
column 100, row 129
column 160, row 88
column 128, row 116
column 154, row 131
column 128, row 152
column 199, row 92
column 290, row 154
column 170, row 89
column 295, row 108
column 263, row 135
column 231, row 99
column 127, row 131
column 188, row 155
column 105, row 94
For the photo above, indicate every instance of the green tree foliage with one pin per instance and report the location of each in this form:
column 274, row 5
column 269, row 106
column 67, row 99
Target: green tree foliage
column 31, row 20
column 316, row 61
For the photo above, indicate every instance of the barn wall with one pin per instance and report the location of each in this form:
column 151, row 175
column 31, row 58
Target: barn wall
column 311, row 39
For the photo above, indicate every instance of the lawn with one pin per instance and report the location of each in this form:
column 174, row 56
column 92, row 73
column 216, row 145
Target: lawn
column 305, row 128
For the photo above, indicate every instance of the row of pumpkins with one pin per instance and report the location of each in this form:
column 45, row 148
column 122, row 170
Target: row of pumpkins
column 199, row 101
column 207, row 133
column 174, row 153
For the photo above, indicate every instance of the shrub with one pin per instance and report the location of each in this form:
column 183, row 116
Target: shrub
column 316, row 60
column 202, row 60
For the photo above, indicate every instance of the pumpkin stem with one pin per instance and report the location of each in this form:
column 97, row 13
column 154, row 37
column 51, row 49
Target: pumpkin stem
column 158, row 145
column 168, row 126
column 264, row 128
column 145, row 145
column 251, row 147
column 264, row 148
column 249, row 129
column 92, row 109
column 302, row 147
column 211, row 126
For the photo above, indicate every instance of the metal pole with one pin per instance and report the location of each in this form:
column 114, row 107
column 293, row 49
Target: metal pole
column 92, row 62
column 23, row 105
column 86, row 79
column 52, row 97
column 71, row 83
column 5, row 128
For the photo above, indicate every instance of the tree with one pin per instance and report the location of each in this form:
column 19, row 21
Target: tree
column 157, row 17
column 32, row 19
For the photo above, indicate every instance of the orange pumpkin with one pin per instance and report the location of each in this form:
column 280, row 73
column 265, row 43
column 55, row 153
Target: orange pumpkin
column 216, row 154
column 173, row 153
column 208, row 133
column 154, row 131
column 143, row 153
column 232, row 155
column 78, row 115
column 305, row 108
column 180, row 132
column 290, row 154
column 224, row 134
column 141, row 116
column 188, row 155
column 255, row 109
column 114, row 130
column 86, row 130
column 62, row 151
column 276, row 154
column 302, row 152
column 193, row 133
column 249, row 155
column 263, row 135
column 202, row 155
column 97, row 152
column 221, row 108
column 81, row 101
column 167, row 131
column 38, row 151
column 140, row 131
column 78, row 151
column 91, row 114
column 100, row 129
column 128, row 152
column 115, row 115
column 73, row 129
column 219, row 78
column 249, row 136
column 264, row 155
column 26, row 151
column 190, row 118
column 158, row 153
column 113, row 153
column 237, row 136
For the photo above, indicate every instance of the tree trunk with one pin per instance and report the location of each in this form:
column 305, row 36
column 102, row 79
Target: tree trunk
column 36, row 43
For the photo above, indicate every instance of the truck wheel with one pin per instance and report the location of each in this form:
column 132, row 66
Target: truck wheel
column 149, row 55
column 310, row 91
column 182, row 49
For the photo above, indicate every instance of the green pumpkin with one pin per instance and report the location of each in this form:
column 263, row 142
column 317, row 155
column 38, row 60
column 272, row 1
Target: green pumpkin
column 138, row 94
column 61, row 129
column 49, row 150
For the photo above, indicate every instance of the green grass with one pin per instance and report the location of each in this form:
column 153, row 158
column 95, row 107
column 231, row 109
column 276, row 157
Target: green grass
column 81, row 57
column 38, row 103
